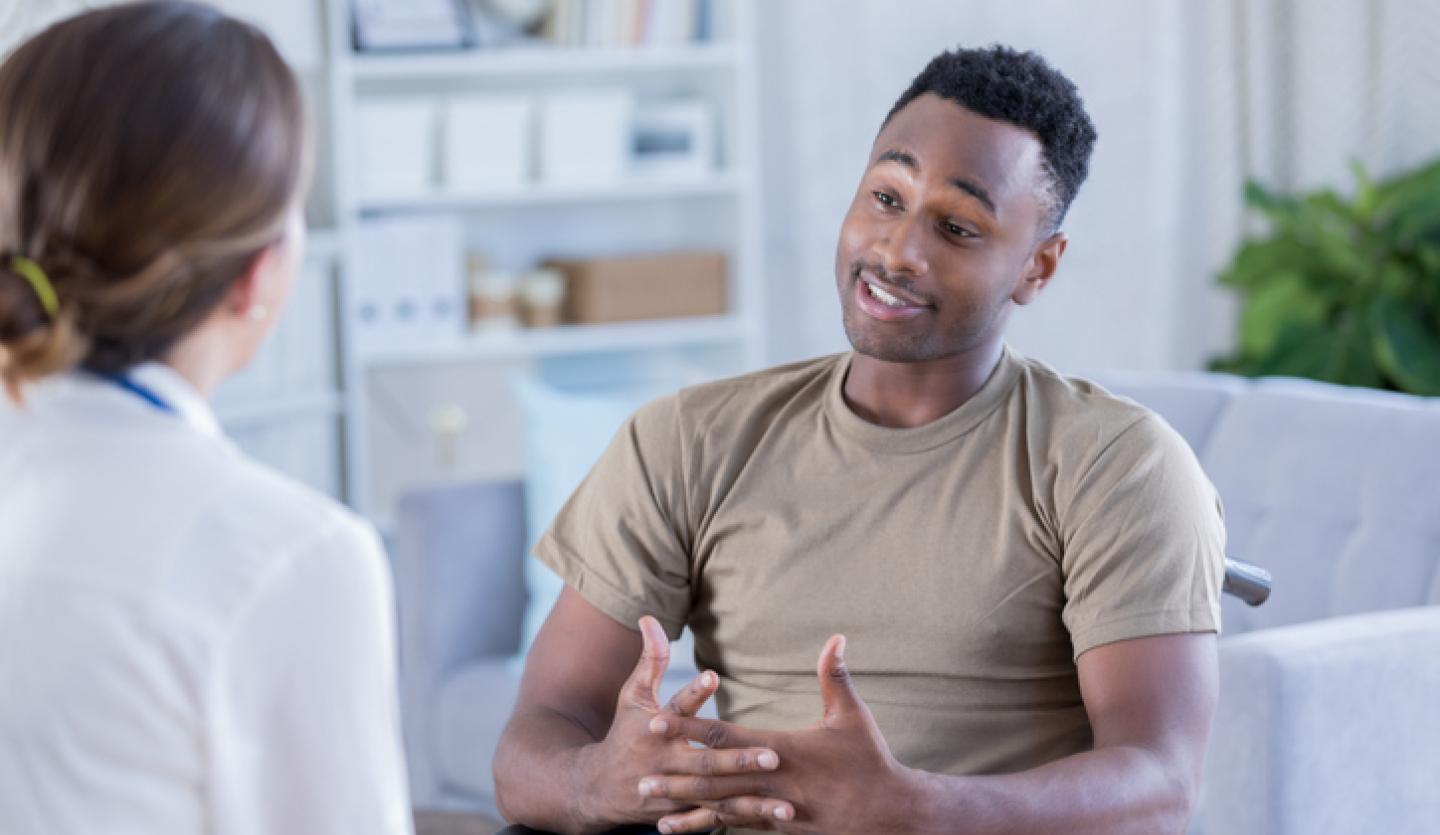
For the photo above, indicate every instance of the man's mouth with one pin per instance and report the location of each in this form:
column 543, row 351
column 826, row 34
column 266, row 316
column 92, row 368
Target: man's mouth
column 885, row 303
column 884, row 297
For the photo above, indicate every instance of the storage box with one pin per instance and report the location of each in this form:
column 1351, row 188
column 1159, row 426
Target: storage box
column 488, row 142
column 585, row 137
column 396, row 146
column 408, row 286
column 643, row 287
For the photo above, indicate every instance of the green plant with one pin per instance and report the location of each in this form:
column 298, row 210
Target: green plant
column 1343, row 290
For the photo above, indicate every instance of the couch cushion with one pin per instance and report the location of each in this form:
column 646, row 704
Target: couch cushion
column 565, row 433
column 471, row 710
column 1335, row 490
column 1190, row 402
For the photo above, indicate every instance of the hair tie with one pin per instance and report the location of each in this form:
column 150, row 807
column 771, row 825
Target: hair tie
column 44, row 290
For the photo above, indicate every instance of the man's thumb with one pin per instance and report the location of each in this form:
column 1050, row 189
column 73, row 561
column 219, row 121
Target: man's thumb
column 837, row 691
column 654, row 660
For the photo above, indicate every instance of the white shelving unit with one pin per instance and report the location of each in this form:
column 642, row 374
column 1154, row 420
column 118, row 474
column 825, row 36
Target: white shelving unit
column 721, row 71
column 728, row 184
column 520, row 62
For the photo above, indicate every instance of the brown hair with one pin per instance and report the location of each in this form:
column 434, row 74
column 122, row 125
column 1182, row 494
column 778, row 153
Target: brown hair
column 148, row 152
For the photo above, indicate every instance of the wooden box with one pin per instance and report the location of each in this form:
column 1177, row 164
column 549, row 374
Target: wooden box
column 643, row 287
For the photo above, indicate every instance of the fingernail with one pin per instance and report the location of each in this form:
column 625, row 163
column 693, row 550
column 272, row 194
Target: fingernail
column 665, row 827
column 646, row 787
column 658, row 726
column 708, row 679
column 782, row 813
column 840, row 649
column 768, row 759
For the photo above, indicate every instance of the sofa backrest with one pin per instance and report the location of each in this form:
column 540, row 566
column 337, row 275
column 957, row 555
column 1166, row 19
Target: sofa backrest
column 1334, row 490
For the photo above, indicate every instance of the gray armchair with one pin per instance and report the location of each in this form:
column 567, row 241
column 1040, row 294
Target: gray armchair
column 1329, row 714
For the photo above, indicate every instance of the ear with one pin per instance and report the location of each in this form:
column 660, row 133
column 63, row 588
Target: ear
column 249, row 289
column 1044, row 261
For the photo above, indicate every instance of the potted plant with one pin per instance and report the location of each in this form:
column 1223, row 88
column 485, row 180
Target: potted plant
column 1343, row 290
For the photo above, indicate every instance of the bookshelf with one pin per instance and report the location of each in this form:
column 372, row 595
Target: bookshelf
column 719, row 210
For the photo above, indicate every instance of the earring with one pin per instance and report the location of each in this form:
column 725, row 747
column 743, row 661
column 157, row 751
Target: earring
column 258, row 313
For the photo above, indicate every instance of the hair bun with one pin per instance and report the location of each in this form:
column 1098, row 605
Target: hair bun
column 32, row 343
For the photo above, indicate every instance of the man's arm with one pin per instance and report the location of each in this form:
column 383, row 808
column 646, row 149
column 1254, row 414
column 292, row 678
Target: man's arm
column 577, row 744
column 1150, row 703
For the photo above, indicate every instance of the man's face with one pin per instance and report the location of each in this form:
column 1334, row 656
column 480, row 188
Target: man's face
column 943, row 235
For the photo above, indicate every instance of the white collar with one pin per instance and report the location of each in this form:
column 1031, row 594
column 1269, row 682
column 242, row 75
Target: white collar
column 179, row 394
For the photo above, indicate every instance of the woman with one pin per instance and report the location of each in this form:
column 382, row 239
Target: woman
column 188, row 641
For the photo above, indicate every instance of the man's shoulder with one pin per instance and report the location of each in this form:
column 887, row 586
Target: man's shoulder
column 1081, row 414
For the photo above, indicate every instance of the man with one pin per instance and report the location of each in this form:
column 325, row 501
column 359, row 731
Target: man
column 1025, row 569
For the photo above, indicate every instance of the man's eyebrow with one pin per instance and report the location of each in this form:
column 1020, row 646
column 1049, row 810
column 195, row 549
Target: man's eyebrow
column 971, row 188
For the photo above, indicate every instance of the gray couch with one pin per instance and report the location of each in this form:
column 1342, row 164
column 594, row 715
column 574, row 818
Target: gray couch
column 1329, row 718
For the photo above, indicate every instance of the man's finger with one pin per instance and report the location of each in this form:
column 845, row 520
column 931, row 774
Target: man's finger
column 692, row 789
column 748, row 812
column 837, row 692
column 712, row 762
column 712, row 733
column 751, row 812
column 643, row 686
column 695, row 820
column 693, row 696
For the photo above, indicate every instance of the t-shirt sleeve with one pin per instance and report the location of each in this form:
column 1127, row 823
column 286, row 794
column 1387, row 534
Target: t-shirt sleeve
column 1143, row 540
column 623, row 539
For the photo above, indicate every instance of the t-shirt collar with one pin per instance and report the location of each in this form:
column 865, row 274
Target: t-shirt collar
column 964, row 418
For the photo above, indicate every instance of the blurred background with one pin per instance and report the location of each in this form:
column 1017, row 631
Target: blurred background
column 530, row 216
column 639, row 195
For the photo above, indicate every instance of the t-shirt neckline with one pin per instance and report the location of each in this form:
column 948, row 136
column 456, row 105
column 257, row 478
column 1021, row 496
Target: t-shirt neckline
column 963, row 419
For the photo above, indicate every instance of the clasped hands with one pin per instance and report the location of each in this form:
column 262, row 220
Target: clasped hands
column 836, row 776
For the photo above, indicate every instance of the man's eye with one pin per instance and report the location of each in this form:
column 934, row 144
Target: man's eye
column 958, row 231
column 885, row 199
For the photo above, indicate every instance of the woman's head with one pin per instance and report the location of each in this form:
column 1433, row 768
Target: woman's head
column 152, row 159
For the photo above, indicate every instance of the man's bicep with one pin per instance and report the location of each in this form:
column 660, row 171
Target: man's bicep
column 578, row 663
column 1156, row 693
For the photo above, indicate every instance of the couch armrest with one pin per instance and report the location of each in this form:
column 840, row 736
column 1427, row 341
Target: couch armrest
column 1328, row 727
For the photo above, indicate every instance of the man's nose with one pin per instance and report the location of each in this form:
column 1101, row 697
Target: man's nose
column 902, row 248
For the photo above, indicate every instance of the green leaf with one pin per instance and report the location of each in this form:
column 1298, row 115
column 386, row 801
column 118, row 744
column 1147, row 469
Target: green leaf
column 1406, row 349
column 1272, row 308
column 1339, row 355
column 1366, row 195
column 1274, row 207
column 1259, row 262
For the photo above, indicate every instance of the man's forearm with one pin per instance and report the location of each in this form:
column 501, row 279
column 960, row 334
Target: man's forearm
column 1109, row 791
column 537, row 772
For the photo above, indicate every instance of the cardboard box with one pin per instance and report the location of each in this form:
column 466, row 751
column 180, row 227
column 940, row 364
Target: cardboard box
column 643, row 287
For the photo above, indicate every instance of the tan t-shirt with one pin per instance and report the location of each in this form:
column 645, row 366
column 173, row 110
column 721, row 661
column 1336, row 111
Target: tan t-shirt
column 969, row 561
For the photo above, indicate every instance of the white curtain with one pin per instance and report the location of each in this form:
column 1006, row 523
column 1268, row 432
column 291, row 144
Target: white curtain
column 1291, row 93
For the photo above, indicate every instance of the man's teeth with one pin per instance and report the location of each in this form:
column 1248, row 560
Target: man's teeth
column 883, row 296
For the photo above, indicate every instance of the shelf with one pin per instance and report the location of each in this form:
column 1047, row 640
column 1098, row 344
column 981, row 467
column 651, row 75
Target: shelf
column 248, row 411
column 563, row 340
column 720, row 185
column 531, row 61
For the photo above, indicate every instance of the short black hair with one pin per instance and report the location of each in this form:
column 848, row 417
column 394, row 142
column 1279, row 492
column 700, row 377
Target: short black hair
column 1020, row 88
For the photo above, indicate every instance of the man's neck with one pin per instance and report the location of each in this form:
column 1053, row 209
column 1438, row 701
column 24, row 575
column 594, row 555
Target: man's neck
column 903, row 395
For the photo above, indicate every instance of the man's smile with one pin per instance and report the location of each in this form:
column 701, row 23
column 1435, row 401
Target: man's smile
column 885, row 302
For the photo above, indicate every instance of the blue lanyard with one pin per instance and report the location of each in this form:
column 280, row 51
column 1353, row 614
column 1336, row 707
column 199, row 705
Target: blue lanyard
column 140, row 391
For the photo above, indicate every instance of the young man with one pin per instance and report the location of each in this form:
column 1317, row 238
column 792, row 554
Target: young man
column 1026, row 569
